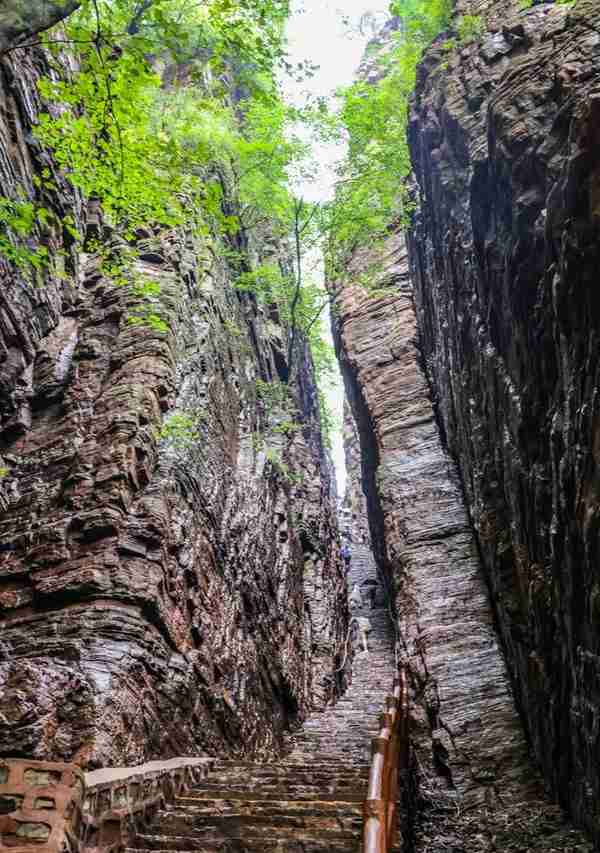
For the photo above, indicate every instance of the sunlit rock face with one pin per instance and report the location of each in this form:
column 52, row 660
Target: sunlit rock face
column 169, row 571
column 505, row 252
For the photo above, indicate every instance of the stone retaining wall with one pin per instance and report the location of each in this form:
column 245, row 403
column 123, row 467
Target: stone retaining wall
column 50, row 807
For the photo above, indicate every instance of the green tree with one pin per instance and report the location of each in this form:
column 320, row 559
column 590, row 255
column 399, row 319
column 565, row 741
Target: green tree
column 173, row 119
column 149, row 111
column 370, row 194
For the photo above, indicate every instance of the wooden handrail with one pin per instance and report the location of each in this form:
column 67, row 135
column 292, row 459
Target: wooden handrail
column 390, row 755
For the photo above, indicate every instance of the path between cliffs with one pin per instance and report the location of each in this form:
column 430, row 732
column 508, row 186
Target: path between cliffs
column 310, row 800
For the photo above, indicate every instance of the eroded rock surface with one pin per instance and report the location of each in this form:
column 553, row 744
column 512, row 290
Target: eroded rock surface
column 505, row 253
column 479, row 790
column 169, row 571
column 20, row 19
column 355, row 512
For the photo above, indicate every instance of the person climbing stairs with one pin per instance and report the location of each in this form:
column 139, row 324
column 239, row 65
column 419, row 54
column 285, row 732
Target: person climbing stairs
column 311, row 799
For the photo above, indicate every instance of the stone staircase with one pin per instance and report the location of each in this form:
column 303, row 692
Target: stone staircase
column 309, row 801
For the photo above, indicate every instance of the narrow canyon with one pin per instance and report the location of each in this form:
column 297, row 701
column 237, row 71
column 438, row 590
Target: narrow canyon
column 198, row 634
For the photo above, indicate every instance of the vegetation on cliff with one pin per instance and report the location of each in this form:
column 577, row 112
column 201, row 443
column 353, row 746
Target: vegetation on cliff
column 370, row 192
column 168, row 113
column 147, row 118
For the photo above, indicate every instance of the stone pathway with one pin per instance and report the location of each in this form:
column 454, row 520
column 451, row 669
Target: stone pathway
column 310, row 801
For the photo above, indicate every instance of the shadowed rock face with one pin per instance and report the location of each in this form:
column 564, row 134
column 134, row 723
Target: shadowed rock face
column 505, row 253
column 158, row 596
column 480, row 789
column 355, row 511
column 22, row 18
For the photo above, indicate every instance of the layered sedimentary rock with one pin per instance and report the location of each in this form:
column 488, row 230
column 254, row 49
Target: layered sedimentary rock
column 505, row 252
column 478, row 787
column 169, row 573
column 355, row 512
column 22, row 18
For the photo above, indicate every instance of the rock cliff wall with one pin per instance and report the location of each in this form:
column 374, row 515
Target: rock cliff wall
column 20, row 20
column 478, row 790
column 169, row 571
column 354, row 512
column 504, row 256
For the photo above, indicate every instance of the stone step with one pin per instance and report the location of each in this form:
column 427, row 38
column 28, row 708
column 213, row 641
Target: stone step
column 355, row 771
column 252, row 837
column 253, row 845
column 349, row 795
column 197, row 806
column 332, row 791
column 278, row 779
column 309, row 801
column 307, row 766
column 300, row 772
column 258, row 822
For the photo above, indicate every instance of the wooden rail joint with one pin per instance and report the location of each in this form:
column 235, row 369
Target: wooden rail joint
column 390, row 751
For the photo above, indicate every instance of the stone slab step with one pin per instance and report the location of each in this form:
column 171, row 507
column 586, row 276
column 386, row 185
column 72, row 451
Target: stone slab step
column 200, row 806
column 260, row 845
column 347, row 796
column 334, row 789
column 308, row 765
column 255, row 823
column 289, row 772
column 343, row 842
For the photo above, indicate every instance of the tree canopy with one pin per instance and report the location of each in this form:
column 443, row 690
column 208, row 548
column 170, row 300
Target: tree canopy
column 172, row 117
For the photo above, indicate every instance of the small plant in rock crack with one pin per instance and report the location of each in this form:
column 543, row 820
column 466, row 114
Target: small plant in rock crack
column 469, row 28
column 181, row 430
column 258, row 441
column 448, row 46
column 279, row 404
column 232, row 328
column 287, row 428
column 149, row 310
column 118, row 265
column 281, row 468
column 527, row 4
column 18, row 219
column 274, row 394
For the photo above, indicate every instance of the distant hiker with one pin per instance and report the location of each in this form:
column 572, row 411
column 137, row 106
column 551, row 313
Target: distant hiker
column 369, row 590
column 346, row 555
column 356, row 601
column 364, row 629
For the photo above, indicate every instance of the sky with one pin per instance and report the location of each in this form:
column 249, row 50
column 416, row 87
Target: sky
column 327, row 34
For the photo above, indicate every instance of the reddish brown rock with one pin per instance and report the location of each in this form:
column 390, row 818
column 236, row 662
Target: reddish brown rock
column 478, row 789
column 504, row 252
column 160, row 595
